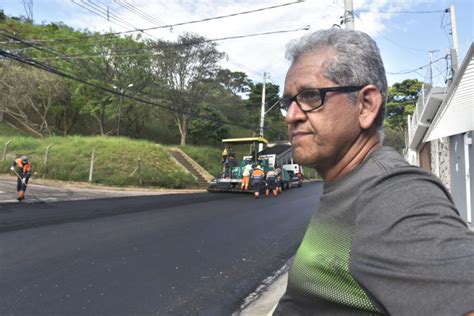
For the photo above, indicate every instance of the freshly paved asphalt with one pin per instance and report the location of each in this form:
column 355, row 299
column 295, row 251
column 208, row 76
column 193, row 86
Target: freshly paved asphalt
column 189, row 254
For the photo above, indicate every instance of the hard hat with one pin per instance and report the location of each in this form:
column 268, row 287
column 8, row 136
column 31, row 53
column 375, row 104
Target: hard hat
column 24, row 159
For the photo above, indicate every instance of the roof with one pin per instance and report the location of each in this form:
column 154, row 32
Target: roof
column 245, row 140
column 277, row 149
column 456, row 113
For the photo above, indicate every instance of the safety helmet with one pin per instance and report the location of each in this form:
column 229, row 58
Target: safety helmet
column 24, row 159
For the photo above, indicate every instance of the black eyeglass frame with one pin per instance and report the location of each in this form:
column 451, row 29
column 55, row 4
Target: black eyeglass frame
column 322, row 94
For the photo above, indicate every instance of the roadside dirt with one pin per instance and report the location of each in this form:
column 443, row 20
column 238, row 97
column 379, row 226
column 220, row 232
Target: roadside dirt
column 54, row 190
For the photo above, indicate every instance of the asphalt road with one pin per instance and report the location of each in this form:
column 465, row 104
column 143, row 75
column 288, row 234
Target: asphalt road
column 189, row 254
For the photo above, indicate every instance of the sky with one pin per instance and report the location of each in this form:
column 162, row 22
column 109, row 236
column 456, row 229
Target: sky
column 405, row 39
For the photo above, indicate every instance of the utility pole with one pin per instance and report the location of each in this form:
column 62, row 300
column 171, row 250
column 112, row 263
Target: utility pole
column 454, row 35
column 121, row 90
column 119, row 112
column 348, row 19
column 262, row 111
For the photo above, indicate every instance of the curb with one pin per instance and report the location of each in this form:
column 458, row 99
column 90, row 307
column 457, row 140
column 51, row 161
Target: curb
column 264, row 300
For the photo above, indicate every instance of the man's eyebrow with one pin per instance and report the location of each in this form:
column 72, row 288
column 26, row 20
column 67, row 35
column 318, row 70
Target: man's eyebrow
column 299, row 89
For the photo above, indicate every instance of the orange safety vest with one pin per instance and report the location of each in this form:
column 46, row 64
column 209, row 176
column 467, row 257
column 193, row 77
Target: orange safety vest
column 26, row 168
column 257, row 173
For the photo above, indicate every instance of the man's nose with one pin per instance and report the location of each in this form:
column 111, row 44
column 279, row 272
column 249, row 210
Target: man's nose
column 294, row 114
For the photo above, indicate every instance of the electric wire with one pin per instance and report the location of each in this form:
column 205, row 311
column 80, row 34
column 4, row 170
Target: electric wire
column 178, row 24
column 399, row 12
column 94, row 12
column 404, row 72
column 190, row 43
column 65, row 57
column 107, row 15
column 58, row 72
column 131, row 8
column 171, row 25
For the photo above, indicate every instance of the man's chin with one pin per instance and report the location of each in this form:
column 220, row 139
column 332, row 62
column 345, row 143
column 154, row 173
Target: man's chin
column 301, row 158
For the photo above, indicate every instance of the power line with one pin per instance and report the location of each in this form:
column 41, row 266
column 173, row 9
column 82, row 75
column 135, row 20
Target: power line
column 98, row 14
column 409, row 48
column 177, row 24
column 131, row 8
column 171, row 45
column 61, row 73
column 404, row 72
column 65, row 57
column 107, row 14
column 401, row 12
column 171, row 25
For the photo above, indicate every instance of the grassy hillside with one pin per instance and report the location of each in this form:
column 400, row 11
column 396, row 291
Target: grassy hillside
column 8, row 130
column 208, row 157
column 115, row 160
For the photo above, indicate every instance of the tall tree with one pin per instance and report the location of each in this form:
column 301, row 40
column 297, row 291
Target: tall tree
column 204, row 131
column 187, row 66
column 27, row 97
column 401, row 102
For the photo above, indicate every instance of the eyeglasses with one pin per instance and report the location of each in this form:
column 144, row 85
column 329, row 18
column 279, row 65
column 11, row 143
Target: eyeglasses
column 311, row 99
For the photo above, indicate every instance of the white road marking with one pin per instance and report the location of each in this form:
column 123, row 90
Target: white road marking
column 9, row 201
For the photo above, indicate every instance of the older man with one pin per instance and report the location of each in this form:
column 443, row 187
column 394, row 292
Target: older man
column 386, row 237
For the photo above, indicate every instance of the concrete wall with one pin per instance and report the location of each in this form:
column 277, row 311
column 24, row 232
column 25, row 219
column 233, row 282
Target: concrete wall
column 440, row 161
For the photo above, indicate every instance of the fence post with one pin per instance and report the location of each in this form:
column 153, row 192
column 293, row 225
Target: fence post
column 4, row 156
column 91, row 169
column 46, row 160
column 139, row 167
column 138, row 170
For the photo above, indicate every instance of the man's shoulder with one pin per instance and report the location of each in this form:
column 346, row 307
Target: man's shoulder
column 385, row 159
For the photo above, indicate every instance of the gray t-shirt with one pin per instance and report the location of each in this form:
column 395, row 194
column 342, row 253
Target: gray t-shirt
column 387, row 239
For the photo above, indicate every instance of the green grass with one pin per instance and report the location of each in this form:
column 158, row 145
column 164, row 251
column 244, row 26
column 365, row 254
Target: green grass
column 116, row 159
column 8, row 130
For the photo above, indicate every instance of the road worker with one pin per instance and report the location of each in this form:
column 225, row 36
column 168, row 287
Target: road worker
column 271, row 182
column 257, row 180
column 246, row 176
column 23, row 173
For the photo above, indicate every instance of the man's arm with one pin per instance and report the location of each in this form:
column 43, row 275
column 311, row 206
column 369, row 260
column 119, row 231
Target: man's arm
column 411, row 250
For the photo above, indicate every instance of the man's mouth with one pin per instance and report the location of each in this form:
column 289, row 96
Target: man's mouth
column 297, row 135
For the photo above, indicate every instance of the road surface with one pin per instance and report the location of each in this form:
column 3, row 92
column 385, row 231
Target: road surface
column 187, row 254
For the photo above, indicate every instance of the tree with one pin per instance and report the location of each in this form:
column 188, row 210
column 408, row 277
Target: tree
column 235, row 82
column 203, row 131
column 187, row 67
column 95, row 103
column 27, row 97
column 401, row 102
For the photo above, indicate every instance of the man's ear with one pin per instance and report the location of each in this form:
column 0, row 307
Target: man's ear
column 370, row 101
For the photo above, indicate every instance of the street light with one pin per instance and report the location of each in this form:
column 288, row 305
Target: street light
column 121, row 90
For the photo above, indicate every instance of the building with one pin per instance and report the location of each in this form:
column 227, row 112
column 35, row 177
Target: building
column 440, row 134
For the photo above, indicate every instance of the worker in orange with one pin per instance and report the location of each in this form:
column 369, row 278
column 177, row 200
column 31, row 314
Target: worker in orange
column 257, row 180
column 246, row 176
column 23, row 173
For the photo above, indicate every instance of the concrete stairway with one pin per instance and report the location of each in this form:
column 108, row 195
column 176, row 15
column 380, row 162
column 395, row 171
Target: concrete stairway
column 202, row 176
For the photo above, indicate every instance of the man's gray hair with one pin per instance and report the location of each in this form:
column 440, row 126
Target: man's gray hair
column 355, row 60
